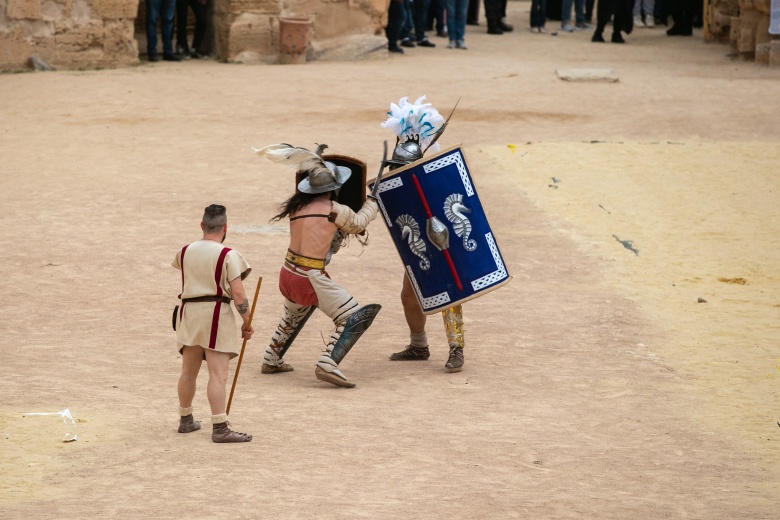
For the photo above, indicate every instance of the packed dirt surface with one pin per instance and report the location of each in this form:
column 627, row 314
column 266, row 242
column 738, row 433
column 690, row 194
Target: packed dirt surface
column 629, row 370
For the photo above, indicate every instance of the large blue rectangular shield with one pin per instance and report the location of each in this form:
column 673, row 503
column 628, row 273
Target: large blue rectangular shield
column 440, row 230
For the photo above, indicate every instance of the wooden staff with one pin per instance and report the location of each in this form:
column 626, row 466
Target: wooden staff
column 241, row 356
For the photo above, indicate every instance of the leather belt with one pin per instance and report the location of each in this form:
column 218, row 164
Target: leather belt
column 305, row 261
column 223, row 299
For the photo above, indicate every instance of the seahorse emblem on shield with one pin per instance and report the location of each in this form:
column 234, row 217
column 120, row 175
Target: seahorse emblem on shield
column 454, row 210
column 410, row 231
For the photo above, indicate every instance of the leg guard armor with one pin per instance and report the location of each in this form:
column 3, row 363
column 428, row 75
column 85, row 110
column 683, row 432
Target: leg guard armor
column 345, row 336
column 293, row 320
column 453, row 325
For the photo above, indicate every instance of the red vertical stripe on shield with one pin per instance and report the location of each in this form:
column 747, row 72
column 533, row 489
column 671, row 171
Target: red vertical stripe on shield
column 444, row 251
column 217, row 305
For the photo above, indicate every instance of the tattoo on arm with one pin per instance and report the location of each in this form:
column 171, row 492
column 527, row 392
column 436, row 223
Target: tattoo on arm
column 242, row 307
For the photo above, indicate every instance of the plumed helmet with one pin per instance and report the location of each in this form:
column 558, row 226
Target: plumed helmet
column 416, row 125
column 321, row 176
column 407, row 152
column 322, row 180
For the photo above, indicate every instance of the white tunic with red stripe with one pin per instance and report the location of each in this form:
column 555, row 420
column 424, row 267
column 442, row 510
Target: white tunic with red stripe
column 207, row 268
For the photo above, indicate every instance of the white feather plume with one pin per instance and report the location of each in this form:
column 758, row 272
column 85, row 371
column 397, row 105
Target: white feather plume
column 409, row 120
column 299, row 158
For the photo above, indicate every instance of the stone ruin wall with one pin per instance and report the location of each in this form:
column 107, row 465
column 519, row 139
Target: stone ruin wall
column 70, row 34
column 247, row 31
column 73, row 34
column 88, row 34
column 744, row 25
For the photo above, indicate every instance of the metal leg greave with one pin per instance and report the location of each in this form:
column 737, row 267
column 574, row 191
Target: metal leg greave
column 453, row 325
column 294, row 318
column 345, row 336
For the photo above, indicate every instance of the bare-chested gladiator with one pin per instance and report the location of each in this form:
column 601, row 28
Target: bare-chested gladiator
column 318, row 225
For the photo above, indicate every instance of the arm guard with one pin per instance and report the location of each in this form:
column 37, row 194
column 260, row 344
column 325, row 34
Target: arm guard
column 351, row 222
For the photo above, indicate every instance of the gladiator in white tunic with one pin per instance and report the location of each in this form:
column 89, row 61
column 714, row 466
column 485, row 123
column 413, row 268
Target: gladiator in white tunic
column 206, row 317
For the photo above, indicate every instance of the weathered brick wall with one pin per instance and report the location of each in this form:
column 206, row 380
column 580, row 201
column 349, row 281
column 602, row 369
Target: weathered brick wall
column 67, row 34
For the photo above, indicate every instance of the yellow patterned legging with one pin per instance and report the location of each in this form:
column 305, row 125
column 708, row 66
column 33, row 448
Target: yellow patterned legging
column 453, row 325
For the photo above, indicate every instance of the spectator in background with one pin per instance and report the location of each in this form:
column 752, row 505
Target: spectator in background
column 420, row 15
column 436, row 18
column 456, row 23
column 538, row 15
column 644, row 7
column 396, row 18
column 495, row 10
column 579, row 16
column 162, row 10
column 682, row 13
column 199, row 9
column 408, row 26
column 472, row 14
column 619, row 11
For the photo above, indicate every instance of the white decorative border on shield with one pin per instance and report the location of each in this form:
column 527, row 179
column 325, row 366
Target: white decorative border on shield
column 390, row 184
column 433, row 301
column 456, row 158
column 495, row 276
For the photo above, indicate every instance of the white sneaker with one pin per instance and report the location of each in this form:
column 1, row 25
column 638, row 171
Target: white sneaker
column 638, row 22
column 650, row 22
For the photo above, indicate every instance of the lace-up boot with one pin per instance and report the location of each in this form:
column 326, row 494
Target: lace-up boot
column 455, row 361
column 411, row 353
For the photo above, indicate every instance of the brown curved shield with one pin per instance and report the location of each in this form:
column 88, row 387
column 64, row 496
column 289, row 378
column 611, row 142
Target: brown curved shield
column 353, row 193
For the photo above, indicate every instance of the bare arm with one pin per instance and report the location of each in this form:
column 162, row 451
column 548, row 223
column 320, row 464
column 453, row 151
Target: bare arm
column 242, row 305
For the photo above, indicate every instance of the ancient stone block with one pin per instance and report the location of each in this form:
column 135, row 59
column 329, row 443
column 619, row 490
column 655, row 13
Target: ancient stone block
column 81, row 37
column 746, row 44
column 118, row 39
column 247, row 6
column 24, row 9
column 52, row 11
column 762, row 30
column 762, row 53
column 113, row 9
column 748, row 22
column 78, row 59
column 249, row 32
column 774, row 53
column 734, row 30
column 14, row 51
column 340, row 20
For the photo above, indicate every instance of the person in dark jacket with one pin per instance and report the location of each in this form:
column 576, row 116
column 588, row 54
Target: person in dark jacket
column 621, row 13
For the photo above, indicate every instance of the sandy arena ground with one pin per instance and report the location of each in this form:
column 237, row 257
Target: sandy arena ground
column 596, row 385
